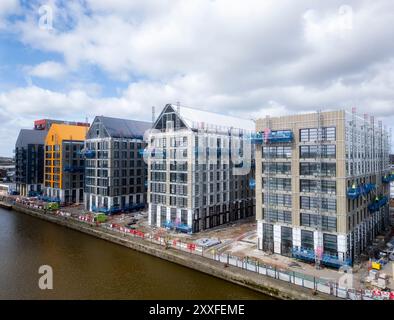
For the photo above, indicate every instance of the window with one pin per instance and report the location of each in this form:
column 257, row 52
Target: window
column 273, row 215
column 311, row 203
column 283, row 200
column 307, row 241
column 277, row 152
column 313, row 220
column 310, row 169
column 277, row 168
column 330, row 244
column 327, row 151
column 281, row 184
column 304, row 135
column 328, row 187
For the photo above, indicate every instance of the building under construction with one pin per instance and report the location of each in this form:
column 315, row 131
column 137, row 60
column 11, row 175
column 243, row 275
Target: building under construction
column 322, row 185
column 64, row 163
column 115, row 169
column 195, row 180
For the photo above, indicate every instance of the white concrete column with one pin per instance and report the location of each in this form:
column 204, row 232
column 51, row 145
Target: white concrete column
column 190, row 218
column 178, row 214
column 260, row 235
column 158, row 215
column 150, row 214
column 110, row 202
column 168, row 216
column 297, row 237
column 342, row 246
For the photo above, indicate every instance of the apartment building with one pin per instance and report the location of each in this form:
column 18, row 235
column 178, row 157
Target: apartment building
column 29, row 162
column 321, row 185
column 116, row 173
column 194, row 181
column 64, row 163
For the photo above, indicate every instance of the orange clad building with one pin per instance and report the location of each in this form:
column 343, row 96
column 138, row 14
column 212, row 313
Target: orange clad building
column 64, row 163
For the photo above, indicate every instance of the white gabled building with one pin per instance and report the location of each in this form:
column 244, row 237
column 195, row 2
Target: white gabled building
column 194, row 181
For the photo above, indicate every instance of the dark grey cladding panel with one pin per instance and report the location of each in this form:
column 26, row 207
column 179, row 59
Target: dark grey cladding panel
column 122, row 128
column 29, row 136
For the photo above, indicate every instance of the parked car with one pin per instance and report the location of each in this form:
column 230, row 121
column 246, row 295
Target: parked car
column 206, row 242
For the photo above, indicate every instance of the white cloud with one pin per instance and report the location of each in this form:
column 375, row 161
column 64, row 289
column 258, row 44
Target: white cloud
column 7, row 7
column 48, row 69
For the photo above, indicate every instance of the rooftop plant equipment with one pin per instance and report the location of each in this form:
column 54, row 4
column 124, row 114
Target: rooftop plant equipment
column 388, row 178
column 377, row 203
column 364, row 189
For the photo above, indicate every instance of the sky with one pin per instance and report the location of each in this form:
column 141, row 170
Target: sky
column 76, row 59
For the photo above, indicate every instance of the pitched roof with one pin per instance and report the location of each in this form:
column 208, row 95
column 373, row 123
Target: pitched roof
column 196, row 119
column 123, row 128
column 30, row 136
